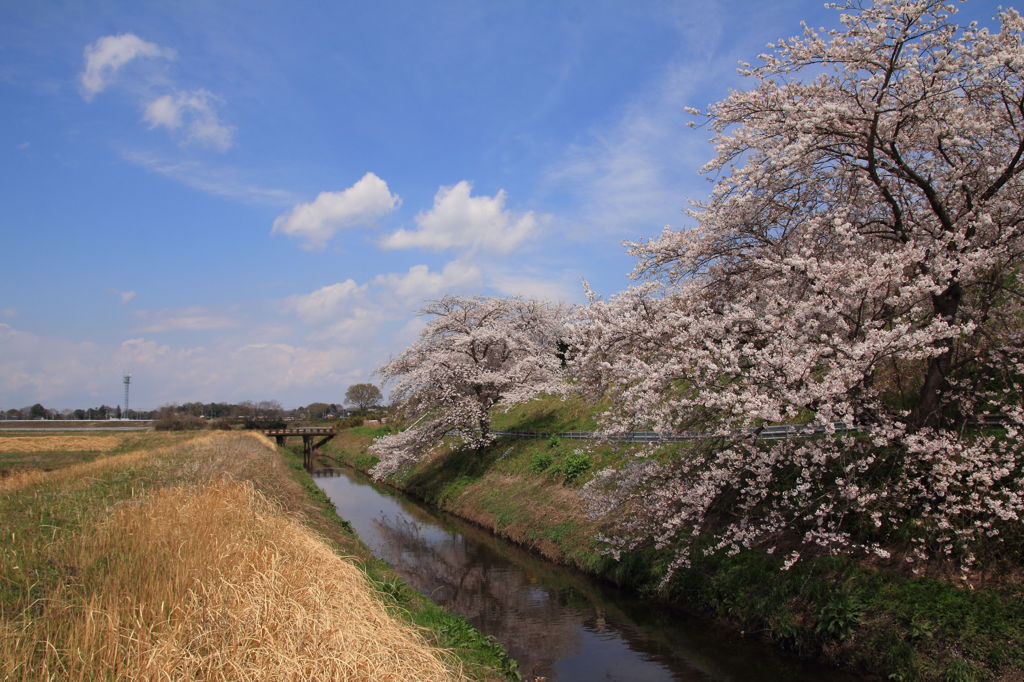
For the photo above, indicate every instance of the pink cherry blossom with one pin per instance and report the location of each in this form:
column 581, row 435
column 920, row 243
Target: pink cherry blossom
column 858, row 262
column 474, row 354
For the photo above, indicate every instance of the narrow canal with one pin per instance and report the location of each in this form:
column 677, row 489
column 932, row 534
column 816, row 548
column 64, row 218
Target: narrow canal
column 557, row 623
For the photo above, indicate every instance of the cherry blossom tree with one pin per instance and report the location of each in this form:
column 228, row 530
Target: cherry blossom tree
column 474, row 353
column 858, row 263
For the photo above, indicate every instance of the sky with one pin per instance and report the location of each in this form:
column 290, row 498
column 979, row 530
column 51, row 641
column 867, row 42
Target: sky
column 252, row 200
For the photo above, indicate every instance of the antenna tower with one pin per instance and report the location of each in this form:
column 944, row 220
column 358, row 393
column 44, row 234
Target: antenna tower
column 127, row 381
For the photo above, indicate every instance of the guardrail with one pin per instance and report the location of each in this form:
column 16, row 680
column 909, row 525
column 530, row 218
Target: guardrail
column 775, row 432
column 764, row 433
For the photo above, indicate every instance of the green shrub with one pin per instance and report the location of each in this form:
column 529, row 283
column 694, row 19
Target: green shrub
column 840, row 616
column 541, row 461
column 575, row 465
column 348, row 422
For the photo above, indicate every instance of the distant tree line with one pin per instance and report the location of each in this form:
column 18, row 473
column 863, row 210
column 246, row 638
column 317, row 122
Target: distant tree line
column 363, row 399
column 38, row 411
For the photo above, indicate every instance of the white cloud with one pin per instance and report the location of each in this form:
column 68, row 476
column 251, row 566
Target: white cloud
column 284, row 367
column 636, row 174
column 359, row 205
column 458, row 220
column 188, row 319
column 39, row 369
column 194, row 114
column 222, row 182
column 8, row 312
column 535, row 286
column 358, row 325
column 125, row 296
column 163, row 111
column 191, row 114
column 105, row 57
column 63, row 373
column 226, row 370
column 420, row 283
column 326, row 302
column 140, row 352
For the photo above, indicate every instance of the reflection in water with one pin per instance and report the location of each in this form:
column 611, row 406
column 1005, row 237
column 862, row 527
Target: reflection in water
column 500, row 600
column 556, row 623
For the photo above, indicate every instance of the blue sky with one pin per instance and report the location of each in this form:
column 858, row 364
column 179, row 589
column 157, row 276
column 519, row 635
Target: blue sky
column 250, row 200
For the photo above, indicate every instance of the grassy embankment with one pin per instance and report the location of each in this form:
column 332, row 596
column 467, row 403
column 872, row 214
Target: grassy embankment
column 843, row 612
column 207, row 556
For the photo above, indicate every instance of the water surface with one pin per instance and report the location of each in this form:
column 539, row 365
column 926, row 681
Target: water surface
column 556, row 622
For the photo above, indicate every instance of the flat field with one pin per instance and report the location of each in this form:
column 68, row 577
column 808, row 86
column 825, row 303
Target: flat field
column 201, row 556
column 49, row 449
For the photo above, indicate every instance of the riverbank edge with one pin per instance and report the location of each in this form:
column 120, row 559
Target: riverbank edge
column 483, row 657
column 835, row 611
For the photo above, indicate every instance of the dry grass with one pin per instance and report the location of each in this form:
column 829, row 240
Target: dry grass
column 81, row 474
column 19, row 459
column 207, row 580
column 61, row 443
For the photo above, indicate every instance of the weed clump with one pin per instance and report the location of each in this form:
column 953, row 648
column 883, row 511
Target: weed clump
column 575, row 465
column 540, row 461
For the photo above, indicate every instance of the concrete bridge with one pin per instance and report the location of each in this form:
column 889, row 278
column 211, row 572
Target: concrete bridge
column 308, row 435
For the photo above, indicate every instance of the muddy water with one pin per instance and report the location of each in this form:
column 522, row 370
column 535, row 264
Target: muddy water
column 557, row 623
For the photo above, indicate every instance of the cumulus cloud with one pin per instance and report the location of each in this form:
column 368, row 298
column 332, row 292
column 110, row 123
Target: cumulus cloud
column 164, row 111
column 420, row 283
column 356, row 325
column 64, row 373
column 326, row 302
column 225, row 370
column 35, row 368
column 194, row 115
column 458, row 220
column 139, row 351
column 359, row 205
column 535, row 286
column 105, row 57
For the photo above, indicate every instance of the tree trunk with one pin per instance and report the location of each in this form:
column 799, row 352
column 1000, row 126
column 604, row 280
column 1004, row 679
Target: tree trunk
column 929, row 410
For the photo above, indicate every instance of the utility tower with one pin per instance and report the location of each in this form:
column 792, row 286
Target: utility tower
column 127, row 381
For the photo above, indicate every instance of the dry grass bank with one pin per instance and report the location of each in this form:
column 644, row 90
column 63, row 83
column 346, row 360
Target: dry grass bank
column 40, row 443
column 191, row 561
column 47, row 450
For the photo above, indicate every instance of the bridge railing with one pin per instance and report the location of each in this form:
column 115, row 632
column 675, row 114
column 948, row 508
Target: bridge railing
column 300, row 431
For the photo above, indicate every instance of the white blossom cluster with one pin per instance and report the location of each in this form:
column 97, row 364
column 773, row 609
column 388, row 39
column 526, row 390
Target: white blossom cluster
column 860, row 262
column 474, row 353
